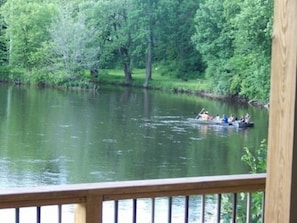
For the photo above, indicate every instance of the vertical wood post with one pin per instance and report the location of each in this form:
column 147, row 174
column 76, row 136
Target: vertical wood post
column 90, row 211
column 281, row 184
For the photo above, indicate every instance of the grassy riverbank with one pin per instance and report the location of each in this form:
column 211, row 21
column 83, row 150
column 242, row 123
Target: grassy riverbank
column 160, row 82
column 164, row 83
column 116, row 77
column 170, row 84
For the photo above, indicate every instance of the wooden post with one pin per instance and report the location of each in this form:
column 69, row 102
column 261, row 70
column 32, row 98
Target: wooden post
column 90, row 211
column 281, row 184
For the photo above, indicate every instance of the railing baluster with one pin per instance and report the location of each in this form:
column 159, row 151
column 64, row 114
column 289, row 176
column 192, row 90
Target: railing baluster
column 60, row 213
column 248, row 207
column 263, row 206
column 169, row 209
column 234, row 207
column 38, row 214
column 134, row 210
column 89, row 198
column 187, row 198
column 219, row 202
column 153, row 210
column 17, row 215
column 202, row 208
column 116, row 211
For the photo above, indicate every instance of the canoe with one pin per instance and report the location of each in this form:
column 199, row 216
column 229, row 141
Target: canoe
column 210, row 122
column 238, row 124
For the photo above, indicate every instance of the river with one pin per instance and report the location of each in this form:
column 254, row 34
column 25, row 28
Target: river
column 53, row 137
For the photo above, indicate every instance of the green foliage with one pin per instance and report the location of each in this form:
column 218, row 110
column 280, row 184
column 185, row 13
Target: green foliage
column 256, row 209
column 253, row 45
column 227, row 208
column 17, row 74
column 217, row 72
column 256, row 160
column 174, row 49
column 236, row 36
column 3, row 44
column 212, row 38
column 159, row 81
column 72, row 39
column 26, row 30
column 226, row 42
column 4, row 73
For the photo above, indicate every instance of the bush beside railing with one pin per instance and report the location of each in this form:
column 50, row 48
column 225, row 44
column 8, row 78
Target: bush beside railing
column 89, row 198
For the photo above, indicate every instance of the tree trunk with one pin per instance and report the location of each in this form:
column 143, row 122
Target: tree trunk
column 128, row 73
column 94, row 72
column 149, row 55
column 148, row 70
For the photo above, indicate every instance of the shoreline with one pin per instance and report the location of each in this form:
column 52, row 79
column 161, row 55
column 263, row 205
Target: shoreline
column 200, row 93
column 95, row 86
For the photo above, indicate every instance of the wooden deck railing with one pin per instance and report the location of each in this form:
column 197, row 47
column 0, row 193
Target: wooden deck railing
column 89, row 199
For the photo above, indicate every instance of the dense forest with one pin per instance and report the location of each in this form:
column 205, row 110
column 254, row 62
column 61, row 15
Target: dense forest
column 227, row 43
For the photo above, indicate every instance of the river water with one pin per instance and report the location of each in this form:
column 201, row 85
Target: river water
column 53, row 137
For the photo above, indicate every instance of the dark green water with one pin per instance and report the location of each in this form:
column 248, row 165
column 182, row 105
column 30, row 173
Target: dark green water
column 56, row 137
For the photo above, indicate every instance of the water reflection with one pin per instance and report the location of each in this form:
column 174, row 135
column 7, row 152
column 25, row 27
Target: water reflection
column 51, row 137
column 57, row 137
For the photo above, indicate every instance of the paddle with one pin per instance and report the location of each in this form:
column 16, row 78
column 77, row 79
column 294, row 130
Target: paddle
column 199, row 113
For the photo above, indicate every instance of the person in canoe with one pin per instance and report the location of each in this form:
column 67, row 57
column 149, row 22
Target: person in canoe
column 205, row 116
column 217, row 118
column 247, row 118
column 225, row 119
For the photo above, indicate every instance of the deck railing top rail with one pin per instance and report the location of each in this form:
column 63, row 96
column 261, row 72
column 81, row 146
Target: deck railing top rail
column 78, row 193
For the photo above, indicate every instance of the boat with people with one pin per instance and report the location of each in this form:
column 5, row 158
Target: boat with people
column 238, row 124
column 204, row 118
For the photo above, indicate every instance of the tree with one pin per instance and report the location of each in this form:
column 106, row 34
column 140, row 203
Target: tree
column 174, row 47
column 148, row 14
column 26, row 31
column 3, row 48
column 212, row 32
column 227, row 41
column 73, row 45
column 252, row 42
column 214, row 42
column 115, row 34
column 234, row 38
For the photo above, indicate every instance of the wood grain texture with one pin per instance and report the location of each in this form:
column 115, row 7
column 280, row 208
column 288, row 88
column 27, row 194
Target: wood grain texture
column 90, row 211
column 89, row 197
column 280, row 204
column 84, row 193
